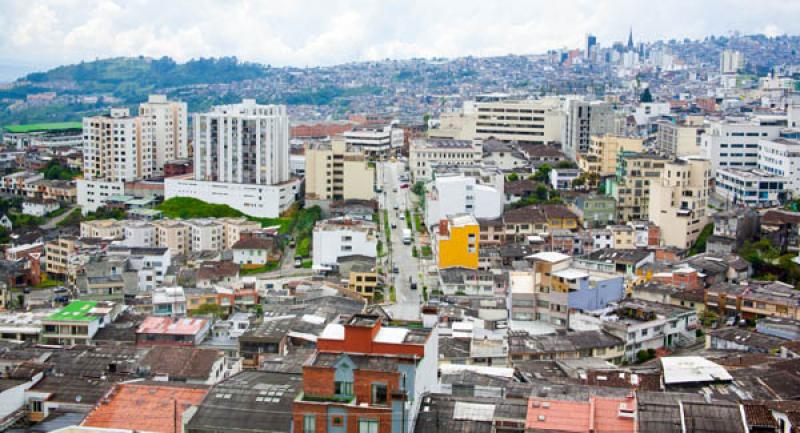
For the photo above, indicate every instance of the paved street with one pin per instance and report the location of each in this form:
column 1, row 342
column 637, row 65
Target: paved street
column 408, row 301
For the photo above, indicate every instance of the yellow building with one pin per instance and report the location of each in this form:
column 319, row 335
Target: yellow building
column 601, row 158
column 679, row 200
column 364, row 281
column 457, row 242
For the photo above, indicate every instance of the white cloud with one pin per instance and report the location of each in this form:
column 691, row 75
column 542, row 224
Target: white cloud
column 322, row 32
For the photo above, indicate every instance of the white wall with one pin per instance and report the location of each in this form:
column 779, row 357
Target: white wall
column 452, row 198
column 264, row 201
column 329, row 245
column 93, row 194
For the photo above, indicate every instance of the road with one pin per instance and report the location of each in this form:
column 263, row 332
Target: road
column 407, row 302
column 54, row 222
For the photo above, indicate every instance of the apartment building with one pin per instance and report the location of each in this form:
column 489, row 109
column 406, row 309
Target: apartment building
column 233, row 228
column 241, row 159
column 78, row 322
column 679, row 138
column 454, row 126
column 731, row 61
column 586, row 119
column 754, row 299
column 105, row 229
column 58, row 253
column 781, row 157
column 340, row 237
column 679, row 200
column 204, row 235
column 631, row 185
column 174, row 235
column 375, row 141
column 733, row 143
column 456, row 242
column 525, row 121
column 426, row 154
column 603, row 152
column 454, row 194
column 139, row 234
column 164, row 124
column 337, row 171
column 752, row 187
column 366, row 377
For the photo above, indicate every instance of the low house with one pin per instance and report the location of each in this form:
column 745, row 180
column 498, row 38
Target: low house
column 39, row 208
column 253, row 250
column 78, row 322
column 175, row 332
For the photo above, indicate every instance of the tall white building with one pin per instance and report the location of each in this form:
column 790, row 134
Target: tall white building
column 584, row 119
column 341, row 237
column 241, row 159
column 734, row 143
column 534, row 121
column 376, row 141
column 164, row 129
column 731, row 61
column 781, row 157
column 111, row 147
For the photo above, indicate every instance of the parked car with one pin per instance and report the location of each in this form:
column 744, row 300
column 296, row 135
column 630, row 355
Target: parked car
column 298, row 261
column 405, row 185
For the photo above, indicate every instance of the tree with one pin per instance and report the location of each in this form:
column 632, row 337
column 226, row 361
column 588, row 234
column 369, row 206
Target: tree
column 209, row 309
column 700, row 244
column 513, row 177
column 646, row 96
column 543, row 173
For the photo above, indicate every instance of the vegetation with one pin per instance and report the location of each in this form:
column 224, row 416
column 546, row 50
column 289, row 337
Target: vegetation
column 20, row 220
column 387, row 228
column 208, row 310
column 186, row 208
column 542, row 173
column 56, row 171
column 269, row 267
column 646, row 96
column 302, row 225
column 513, row 177
column 768, row 264
column 418, row 222
column 392, row 294
column 542, row 195
column 700, row 244
column 303, row 248
column 408, row 219
column 35, row 127
column 645, row 355
column 47, row 283
column 414, row 252
column 426, row 251
column 104, row 213
column 307, row 263
column 73, row 219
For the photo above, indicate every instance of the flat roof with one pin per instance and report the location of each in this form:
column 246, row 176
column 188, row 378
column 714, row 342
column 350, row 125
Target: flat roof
column 688, row 369
column 43, row 127
column 76, row 310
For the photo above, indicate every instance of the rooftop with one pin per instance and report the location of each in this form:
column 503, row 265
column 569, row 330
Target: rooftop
column 84, row 311
column 692, row 369
column 166, row 325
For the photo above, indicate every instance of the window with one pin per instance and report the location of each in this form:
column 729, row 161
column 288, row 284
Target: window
column 309, row 424
column 367, row 426
column 379, row 393
column 36, row 406
column 343, row 388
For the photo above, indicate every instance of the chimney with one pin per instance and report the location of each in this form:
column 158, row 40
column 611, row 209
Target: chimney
column 443, row 227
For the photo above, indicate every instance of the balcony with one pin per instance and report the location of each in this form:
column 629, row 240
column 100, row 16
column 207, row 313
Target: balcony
column 325, row 398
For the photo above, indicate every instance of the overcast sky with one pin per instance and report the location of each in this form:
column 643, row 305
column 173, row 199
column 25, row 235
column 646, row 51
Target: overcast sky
column 36, row 35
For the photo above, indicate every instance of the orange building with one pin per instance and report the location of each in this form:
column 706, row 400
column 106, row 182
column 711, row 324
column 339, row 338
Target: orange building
column 457, row 242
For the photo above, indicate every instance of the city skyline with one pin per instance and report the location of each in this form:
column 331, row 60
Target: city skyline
column 50, row 33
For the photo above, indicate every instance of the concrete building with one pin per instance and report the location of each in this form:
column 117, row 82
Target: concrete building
column 781, row 157
column 165, row 126
column 679, row 200
column 734, row 143
column 335, row 238
column 603, row 152
column 139, row 234
column 104, row 229
column 204, row 235
column 375, row 141
column 631, row 185
column 456, row 242
column 752, row 187
column 454, row 126
column 456, row 194
column 78, row 322
column 425, row 155
column 241, row 158
column 533, row 121
column 233, row 228
column 585, row 119
column 683, row 138
column 336, row 171
column 731, row 61
column 562, row 178
column 174, row 235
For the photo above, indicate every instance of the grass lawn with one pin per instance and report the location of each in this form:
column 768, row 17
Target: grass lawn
column 35, row 127
column 269, row 267
column 47, row 283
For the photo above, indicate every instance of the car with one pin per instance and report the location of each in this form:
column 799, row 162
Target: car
column 394, row 225
column 396, row 206
column 298, row 261
column 395, row 270
column 413, row 286
column 730, row 321
column 404, row 186
column 61, row 299
column 394, row 189
column 402, row 216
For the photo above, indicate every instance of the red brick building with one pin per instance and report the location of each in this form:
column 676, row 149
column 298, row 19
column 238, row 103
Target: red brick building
column 366, row 378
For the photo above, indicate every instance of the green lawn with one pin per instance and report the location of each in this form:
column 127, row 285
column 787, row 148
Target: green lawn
column 269, row 267
column 186, row 208
column 35, row 127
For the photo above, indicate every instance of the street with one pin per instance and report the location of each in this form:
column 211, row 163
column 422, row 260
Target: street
column 399, row 255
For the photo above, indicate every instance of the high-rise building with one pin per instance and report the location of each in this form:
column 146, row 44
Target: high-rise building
column 680, row 138
column 679, row 200
column 731, row 61
column 591, row 43
column 119, row 148
column 734, row 143
column 164, row 129
column 533, row 121
column 601, row 157
column 585, row 119
column 241, row 159
column 631, row 186
column 781, row 157
column 337, row 171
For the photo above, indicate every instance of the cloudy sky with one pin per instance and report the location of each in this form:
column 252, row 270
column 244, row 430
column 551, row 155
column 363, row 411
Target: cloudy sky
column 37, row 35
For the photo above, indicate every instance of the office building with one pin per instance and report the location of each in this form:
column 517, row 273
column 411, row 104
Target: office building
column 525, row 121
column 584, row 120
column 336, row 171
column 241, row 159
column 375, row 141
column 425, row 155
column 752, row 187
column 781, row 157
column 734, row 143
column 456, row 194
column 679, row 200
